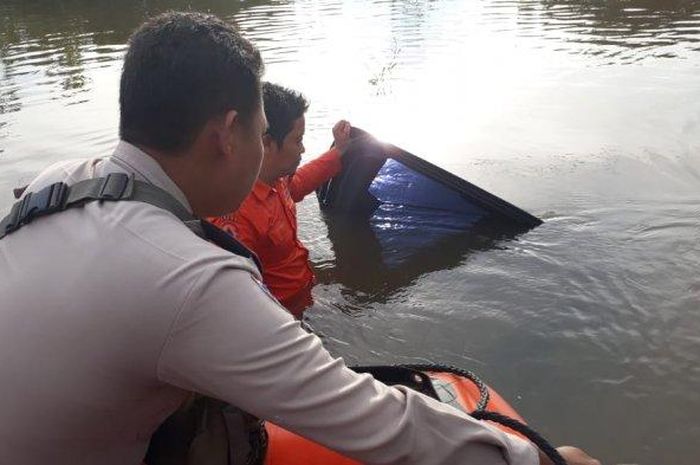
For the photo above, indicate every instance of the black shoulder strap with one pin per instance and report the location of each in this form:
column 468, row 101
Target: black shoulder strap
column 113, row 187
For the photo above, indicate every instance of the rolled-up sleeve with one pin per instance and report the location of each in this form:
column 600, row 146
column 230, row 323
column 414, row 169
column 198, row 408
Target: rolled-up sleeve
column 232, row 341
column 314, row 173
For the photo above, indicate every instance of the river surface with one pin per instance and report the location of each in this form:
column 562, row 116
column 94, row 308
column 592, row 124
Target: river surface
column 585, row 113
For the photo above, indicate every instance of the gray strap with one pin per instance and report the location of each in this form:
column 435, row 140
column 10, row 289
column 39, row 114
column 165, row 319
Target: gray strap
column 115, row 186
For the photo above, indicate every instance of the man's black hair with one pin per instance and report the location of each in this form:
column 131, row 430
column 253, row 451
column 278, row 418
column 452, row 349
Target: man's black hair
column 181, row 70
column 282, row 107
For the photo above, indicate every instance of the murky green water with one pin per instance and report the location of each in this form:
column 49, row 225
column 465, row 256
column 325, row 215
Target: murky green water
column 586, row 113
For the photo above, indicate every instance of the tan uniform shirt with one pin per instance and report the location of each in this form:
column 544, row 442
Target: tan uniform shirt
column 110, row 313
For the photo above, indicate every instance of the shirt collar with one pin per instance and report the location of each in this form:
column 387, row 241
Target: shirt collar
column 130, row 159
column 261, row 190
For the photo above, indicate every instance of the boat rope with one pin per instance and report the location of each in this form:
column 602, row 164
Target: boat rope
column 480, row 412
column 470, row 375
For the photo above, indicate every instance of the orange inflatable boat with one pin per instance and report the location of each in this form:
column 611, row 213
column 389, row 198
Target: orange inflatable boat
column 458, row 388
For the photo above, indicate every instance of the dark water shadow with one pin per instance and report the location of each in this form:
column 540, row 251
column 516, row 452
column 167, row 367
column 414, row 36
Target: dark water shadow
column 373, row 266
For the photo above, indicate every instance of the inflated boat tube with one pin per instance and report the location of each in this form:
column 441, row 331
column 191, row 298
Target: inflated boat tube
column 286, row 448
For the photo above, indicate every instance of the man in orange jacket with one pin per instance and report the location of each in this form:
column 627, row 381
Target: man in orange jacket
column 266, row 222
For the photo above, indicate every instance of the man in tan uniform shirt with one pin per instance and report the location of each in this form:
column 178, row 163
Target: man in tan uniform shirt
column 110, row 314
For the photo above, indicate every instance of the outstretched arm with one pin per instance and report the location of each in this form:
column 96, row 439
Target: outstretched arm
column 310, row 176
column 314, row 173
column 258, row 358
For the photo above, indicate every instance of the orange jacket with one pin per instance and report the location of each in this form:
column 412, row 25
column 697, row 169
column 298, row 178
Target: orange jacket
column 266, row 222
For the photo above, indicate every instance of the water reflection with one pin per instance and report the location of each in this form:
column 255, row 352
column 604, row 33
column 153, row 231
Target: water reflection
column 53, row 45
column 373, row 265
column 622, row 30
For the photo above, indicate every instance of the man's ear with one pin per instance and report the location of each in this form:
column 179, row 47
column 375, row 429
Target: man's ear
column 228, row 127
column 269, row 143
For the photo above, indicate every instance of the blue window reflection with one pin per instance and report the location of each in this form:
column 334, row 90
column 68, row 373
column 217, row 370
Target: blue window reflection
column 416, row 212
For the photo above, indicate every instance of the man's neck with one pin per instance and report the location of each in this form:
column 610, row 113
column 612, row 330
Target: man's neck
column 177, row 167
column 268, row 177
